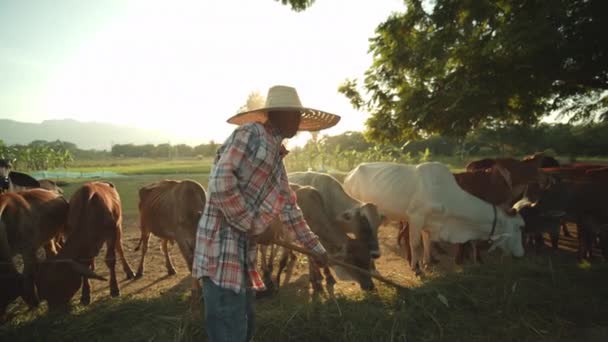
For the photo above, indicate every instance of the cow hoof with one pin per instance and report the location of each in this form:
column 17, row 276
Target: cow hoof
column 114, row 292
column 130, row 275
column 138, row 275
column 171, row 272
column 85, row 300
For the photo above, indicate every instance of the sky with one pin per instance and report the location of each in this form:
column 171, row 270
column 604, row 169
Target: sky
column 183, row 67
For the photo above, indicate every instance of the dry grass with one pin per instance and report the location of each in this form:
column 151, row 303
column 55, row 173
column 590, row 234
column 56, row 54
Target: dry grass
column 542, row 298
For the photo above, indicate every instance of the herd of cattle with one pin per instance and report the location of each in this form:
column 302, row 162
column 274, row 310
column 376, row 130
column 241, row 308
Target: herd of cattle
column 504, row 203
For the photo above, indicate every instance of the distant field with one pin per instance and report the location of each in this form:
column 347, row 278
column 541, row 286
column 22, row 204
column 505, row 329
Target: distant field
column 129, row 186
column 137, row 166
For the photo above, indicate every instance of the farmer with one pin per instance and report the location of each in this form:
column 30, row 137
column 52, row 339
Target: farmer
column 248, row 188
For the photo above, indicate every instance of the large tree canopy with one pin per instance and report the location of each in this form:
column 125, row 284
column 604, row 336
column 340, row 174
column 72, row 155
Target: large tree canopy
column 449, row 66
column 297, row 5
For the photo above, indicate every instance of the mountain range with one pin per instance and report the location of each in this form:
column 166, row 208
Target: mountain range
column 86, row 135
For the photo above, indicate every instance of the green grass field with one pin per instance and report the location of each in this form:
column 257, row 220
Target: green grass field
column 142, row 166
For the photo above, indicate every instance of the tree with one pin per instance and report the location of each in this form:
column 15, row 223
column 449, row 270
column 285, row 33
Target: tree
column 254, row 100
column 461, row 64
column 298, row 5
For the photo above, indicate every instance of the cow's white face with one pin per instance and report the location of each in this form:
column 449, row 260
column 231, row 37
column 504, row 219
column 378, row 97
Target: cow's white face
column 4, row 172
column 364, row 227
column 510, row 241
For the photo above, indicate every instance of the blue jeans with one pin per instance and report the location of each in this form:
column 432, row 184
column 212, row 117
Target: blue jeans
column 229, row 316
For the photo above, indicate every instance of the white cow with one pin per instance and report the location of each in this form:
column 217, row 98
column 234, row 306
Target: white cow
column 343, row 209
column 437, row 209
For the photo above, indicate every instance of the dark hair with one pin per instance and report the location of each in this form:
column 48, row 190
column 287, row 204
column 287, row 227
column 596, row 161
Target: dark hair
column 6, row 163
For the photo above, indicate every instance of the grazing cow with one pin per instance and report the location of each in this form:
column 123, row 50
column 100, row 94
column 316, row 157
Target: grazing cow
column 492, row 185
column 520, row 173
column 584, row 200
column 94, row 218
column 342, row 208
column 170, row 209
column 539, row 221
column 480, row 164
column 339, row 245
column 13, row 181
column 28, row 220
column 436, row 208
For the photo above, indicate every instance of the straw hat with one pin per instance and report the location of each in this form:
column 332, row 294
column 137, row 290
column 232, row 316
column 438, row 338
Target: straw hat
column 283, row 98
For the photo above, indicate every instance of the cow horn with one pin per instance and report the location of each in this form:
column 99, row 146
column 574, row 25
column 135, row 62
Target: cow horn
column 84, row 271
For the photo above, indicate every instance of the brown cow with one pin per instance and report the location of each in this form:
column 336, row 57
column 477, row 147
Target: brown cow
column 337, row 243
column 29, row 220
column 170, row 209
column 94, row 218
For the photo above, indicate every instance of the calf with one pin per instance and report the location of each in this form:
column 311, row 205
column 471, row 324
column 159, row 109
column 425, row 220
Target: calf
column 343, row 209
column 29, row 220
column 537, row 221
column 170, row 209
column 94, row 218
column 338, row 244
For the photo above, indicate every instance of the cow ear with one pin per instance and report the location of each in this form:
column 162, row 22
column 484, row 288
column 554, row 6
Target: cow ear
column 84, row 271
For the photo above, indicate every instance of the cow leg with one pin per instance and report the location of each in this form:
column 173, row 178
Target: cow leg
column 111, row 264
column 584, row 247
column 85, row 296
column 282, row 264
column 459, row 259
column 143, row 242
column 404, row 238
column 477, row 253
column 118, row 244
column 287, row 262
column 330, row 281
column 439, row 249
column 168, row 262
column 30, row 296
column 415, row 246
column 273, row 250
column 554, row 234
column 539, row 242
column 265, row 272
column 426, row 242
column 565, row 229
column 315, row 276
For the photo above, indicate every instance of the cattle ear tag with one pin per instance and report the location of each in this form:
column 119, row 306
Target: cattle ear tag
column 351, row 236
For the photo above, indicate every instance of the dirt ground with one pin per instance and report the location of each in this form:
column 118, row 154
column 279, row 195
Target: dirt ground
column 392, row 265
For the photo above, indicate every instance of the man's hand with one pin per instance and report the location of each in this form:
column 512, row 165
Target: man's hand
column 322, row 260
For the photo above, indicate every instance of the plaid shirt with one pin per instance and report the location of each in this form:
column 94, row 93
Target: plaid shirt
column 248, row 188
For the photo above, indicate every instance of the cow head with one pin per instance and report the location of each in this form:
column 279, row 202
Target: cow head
column 58, row 280
column 5, row 183
column 363, row 221
column 356, row 253
column 509, row 238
